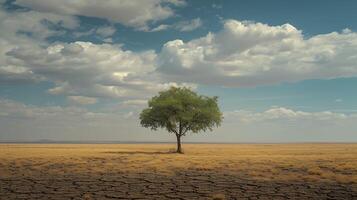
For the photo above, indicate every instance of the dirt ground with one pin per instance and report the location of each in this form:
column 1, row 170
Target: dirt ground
column 205, row 171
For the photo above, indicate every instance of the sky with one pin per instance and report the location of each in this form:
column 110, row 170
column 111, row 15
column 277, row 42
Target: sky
column 284, row 71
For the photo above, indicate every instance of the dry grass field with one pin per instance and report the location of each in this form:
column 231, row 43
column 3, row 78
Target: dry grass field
column 205, row 171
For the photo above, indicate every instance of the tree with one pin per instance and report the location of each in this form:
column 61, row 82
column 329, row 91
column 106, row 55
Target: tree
column 179, row 111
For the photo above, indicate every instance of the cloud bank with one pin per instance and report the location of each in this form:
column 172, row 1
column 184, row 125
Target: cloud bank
column 253, row 54
column 133, row 13
column 29, row 122
column 242, row 54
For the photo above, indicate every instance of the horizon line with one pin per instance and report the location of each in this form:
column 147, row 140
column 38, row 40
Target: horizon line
column 161, row 142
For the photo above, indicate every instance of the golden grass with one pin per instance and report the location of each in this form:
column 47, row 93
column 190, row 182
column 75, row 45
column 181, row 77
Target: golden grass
column 290, row 162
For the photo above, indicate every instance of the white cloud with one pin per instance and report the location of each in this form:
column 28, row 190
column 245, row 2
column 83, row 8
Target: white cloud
column 18, row 111
column 133, row 13
column 135, row 102
column 183, row 26
column 251, row 54
column 280, row 124
column 82, row 100
column 77, row 69
column 23, row 122
column 87, row 69
column 108, row 40
column 26, row 29
column 19, row 121
column 83, row 33
column 191, row 25
column 93, row 70
column 281, row 113
column 17, row 74
column 105, row 31
column 35, row 24
column 161, row 27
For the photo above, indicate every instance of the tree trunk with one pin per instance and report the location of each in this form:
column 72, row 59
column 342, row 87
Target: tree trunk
column 179, row 150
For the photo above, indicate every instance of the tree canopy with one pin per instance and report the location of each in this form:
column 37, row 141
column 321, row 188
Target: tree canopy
column 181, row 110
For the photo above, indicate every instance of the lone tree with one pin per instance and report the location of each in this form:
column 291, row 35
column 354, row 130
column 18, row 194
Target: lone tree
column 180, row 110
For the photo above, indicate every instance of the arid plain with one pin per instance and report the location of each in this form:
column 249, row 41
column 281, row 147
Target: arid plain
column 205, row 171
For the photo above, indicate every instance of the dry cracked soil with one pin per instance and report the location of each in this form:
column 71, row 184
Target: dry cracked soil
column 299, row 171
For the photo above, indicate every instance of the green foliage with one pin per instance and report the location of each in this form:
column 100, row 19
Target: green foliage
column 180, row 110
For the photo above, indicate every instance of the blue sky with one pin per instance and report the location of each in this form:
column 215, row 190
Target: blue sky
column 83, row 71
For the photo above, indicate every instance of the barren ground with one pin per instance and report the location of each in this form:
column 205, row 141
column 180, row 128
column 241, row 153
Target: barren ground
column 205, row 171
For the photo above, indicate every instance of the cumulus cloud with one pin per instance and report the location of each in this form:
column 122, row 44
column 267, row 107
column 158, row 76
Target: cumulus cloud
column 77, row 69
column 26, row 29
column 93, row 70
column 252, row 54
column 242, row 54
column 12, row 74
column 132, row 13
column 87, row 69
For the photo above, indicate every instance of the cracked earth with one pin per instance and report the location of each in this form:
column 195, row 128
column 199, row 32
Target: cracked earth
column 203, row 172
